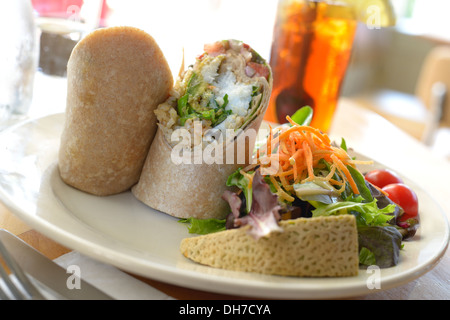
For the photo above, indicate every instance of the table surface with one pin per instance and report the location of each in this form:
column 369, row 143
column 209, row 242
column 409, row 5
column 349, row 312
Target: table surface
column 369, row 134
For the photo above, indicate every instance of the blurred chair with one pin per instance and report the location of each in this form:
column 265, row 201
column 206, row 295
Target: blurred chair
column 426, row 114
column 436, row 104
column 404, row 110
column 433, row 87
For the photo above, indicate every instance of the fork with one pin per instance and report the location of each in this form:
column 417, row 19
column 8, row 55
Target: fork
column 16, row 285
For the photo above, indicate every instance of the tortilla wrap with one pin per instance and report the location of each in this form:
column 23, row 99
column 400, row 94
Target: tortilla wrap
column 194, row 188
column 116, row 78
column 324, row 246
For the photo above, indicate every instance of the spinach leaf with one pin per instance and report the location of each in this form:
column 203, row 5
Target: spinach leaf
column 204, row 226
column 366, row 257
column 303, row 116
column 361, row 184
column 384, row 243
column 344, row 145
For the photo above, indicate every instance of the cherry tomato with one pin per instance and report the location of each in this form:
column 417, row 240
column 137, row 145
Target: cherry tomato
column 382, row 177
column 405, row 197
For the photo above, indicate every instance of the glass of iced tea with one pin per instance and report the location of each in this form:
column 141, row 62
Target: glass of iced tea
column 311, row 48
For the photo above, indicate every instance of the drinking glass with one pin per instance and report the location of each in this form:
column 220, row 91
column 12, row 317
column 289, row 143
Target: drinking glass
column 311, row 48
column 18, row 59
column 62, row 24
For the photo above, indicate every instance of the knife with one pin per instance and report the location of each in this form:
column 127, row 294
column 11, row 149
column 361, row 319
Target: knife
column 48, row 273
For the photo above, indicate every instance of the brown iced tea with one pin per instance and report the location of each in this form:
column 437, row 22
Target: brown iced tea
column 311, row 49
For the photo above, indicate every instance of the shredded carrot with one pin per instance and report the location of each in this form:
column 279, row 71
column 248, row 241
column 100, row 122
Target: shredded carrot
column 269, row 140
column 338, row 183
column 280, row 191
column 299, row 151
column 309, row 160
column 347, row 174
column 296, row 154
column 360, row 162
column 288, row 118
column 285, row 173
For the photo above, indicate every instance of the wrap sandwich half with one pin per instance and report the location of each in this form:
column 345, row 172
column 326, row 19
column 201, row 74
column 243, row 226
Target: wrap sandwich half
column 116, row 78
column 206, row 130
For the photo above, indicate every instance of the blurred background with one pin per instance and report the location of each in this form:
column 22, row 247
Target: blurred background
column 386, row 66
column 395, row 70
column 401, row 72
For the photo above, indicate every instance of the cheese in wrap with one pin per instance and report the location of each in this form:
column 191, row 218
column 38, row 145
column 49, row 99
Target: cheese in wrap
column 116, row 78
column 216, row 104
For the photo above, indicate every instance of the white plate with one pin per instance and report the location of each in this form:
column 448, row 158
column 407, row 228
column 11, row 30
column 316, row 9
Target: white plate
column 122, row 231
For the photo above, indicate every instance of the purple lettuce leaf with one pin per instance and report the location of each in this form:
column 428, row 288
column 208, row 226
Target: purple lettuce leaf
column 264, row 213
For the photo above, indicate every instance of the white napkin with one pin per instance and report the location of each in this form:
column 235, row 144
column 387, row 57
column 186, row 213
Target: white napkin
column 110, row 280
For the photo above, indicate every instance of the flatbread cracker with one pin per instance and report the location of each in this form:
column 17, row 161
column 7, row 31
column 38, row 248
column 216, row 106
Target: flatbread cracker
column 307, row 247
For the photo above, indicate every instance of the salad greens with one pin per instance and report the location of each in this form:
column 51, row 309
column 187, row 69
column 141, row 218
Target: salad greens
column 237, row 179
column 203, row 226
column 329, row 186
column 366, row 213
column 382, row 242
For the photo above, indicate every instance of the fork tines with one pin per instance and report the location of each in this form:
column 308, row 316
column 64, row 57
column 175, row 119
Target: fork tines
column 15, row 285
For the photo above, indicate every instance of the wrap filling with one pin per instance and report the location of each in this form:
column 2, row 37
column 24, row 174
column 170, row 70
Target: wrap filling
column 222, row 90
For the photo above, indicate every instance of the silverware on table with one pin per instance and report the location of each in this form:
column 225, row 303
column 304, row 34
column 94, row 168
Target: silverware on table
column 41, row 277
column 15, row 285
